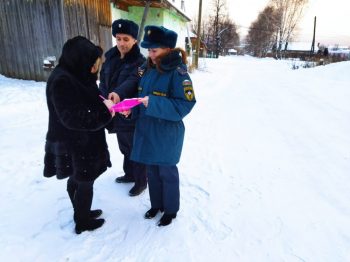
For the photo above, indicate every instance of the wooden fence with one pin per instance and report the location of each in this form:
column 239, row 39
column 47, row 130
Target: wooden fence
column 33, row 30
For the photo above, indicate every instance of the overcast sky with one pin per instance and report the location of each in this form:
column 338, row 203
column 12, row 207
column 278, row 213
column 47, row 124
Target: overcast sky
column 333, row 18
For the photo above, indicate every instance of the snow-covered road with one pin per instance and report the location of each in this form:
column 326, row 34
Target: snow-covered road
column 264, row 174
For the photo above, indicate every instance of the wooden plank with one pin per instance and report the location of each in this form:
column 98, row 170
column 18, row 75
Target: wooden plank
column 88, row 16
column 63, row 20
column 45, row 36
column 105, row 38
column 80, row 18
column 11, row 65
column 57, row 32
column 66, row 19
column 105, row 21
column 70, row 27
column 94, row 24
column 1, row 39
column 3, row 33
column 18, row 60
column 59, row 35
column 91, row 20
column 36, row 35
column 23, row 41
column 40, row 37
column 72, row 19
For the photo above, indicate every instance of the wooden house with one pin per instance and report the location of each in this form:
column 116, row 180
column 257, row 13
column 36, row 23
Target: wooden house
column 203, row 50
column 300, row 50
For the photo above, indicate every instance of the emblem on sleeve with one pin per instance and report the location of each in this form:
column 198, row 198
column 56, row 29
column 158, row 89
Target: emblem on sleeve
column 188, row 89
column 189, row 93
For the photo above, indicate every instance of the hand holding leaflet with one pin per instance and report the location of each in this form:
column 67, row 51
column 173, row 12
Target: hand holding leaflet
column 108, row 104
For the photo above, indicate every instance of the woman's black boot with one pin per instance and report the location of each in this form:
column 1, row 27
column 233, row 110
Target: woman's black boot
column 152, row 212
column 166, row 219
column 89, row 225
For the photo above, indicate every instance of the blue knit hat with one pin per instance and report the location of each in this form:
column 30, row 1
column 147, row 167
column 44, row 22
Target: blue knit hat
column 158, row 36
column 123, row 26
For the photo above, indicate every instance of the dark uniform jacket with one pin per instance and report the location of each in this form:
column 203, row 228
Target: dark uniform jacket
column 159, row 132
column 121, row 76
column 75, row 141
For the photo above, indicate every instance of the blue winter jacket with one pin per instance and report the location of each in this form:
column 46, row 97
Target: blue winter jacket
column 159, row 132
column 120, row 76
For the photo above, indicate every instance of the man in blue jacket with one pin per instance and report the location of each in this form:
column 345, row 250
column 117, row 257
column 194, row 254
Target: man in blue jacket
column 119, row 79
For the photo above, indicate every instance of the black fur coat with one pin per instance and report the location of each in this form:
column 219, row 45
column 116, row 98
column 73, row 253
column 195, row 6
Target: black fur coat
column 75, row 141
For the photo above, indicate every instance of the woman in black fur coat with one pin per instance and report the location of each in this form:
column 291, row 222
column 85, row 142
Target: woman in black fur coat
column 75, row 142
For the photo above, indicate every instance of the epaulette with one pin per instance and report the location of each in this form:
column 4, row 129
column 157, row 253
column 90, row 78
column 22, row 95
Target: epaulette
column 181, row 70
column 144, row 65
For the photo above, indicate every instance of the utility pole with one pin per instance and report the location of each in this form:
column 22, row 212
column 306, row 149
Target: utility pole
column 198, row 44
column 313, row 39
column 144, row 17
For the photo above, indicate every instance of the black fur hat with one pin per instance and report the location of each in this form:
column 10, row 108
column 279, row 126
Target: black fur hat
column 123, row 26
column 78, row 56
column 158, row 36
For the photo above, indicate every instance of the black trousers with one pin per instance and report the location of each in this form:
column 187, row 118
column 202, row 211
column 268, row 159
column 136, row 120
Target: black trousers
column 81, row 194
column 133, row 170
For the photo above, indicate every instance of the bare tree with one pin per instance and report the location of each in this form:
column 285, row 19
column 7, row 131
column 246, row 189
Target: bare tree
column 205, row 29
column 229, row 37
column 262, row 33
column 216, row 19
column 219, row 32
column 289, row 14
column 222, row 31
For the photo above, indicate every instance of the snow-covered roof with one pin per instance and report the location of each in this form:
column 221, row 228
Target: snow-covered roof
column 333, row 47
column 339, row 49
column 192, row 34
column 177, row 4
column 300, row 46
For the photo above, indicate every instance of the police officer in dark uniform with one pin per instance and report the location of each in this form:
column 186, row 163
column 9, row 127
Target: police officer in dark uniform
column 119, row 80
column 167, row 95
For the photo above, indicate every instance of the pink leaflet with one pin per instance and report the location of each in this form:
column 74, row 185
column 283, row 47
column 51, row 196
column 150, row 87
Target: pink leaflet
column 126, row 104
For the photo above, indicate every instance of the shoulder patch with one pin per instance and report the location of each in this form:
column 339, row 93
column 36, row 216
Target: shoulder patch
column 182, row 71
column 188, row 89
